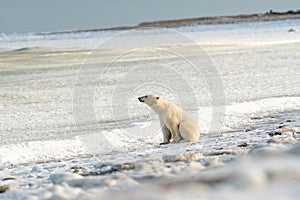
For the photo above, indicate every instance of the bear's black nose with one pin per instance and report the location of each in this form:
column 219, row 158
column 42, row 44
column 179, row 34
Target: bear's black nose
column 140, row 99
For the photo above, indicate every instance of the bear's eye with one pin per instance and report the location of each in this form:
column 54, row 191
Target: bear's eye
column 146, row 96
column 157, row 98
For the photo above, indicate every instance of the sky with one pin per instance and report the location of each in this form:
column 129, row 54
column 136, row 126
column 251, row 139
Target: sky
column 23, row 16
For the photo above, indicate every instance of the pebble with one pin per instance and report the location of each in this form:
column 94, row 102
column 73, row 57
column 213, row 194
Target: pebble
column 110, row 182
column 9, row 178
column 228, row 151
column 33, row 185
column 212, row 162
column 196, row 165
column 253, row 177
column 32, row 176
column 124, row 166
column 86, row 182
column 283, row 131
column 143, row 167
column 257, row 118
column 248, row 129
column 267, row 149
column 50, row 166
column 295, row 150
column 63, row 192
column 8, row 185
column 292, row 30
column 63, row 177
column 41, row 176
column 78, row 169
column 245, row 144
column 182, row 157
column 289, row 120
column 282, row 140
column 37, row 168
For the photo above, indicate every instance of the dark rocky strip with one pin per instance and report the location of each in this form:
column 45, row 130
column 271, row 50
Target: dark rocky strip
column 268, row 16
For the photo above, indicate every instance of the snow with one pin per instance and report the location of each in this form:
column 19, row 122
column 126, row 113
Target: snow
column 52, row 146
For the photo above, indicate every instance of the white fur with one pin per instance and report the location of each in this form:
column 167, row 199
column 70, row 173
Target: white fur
column 175, row 122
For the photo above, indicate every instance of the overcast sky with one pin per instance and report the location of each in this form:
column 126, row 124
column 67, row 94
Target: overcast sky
column 19, row 16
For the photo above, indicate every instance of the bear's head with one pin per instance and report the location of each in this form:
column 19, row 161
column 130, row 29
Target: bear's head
column 150, row 99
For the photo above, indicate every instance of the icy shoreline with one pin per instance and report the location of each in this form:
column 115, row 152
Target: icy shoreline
column 114, row 141
column 255, row 162
column 43, row 127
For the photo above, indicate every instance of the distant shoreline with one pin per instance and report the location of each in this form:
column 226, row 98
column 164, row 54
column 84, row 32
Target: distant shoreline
column 268, row 16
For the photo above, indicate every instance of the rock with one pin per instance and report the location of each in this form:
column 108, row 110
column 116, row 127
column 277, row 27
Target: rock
column 110, row 182
column 292, row 30
column 124, row 166
column 248, row 129
column 101, row 165
column 267, row 150
column 37, row 168
column 9, row 178
column 86, row 182
column 62, row 192
column 41, row 176
column 242, row 173
column 143, row 167
column 78, row 169
column 103, row 169
column 282, row 140
column 284, row 131
column 61, row 178
column 245, row 144
column 155, row 158
column 118, row 180
column 31, row 176
column 257, row 118
column 182, row 158
column 228, row 151
column 289, row 120
column 33, row 185
column 282, row 126
column 212, row 162
column 50, row 166
column 8, row 185
column 294, row 150
column 196, row 165
column 189, row 169
column 248, row 176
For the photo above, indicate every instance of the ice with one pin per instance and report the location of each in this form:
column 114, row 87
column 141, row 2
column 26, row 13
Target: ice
column 123, row 140
column 51, row 147
column 40, row 151
column 259, row 80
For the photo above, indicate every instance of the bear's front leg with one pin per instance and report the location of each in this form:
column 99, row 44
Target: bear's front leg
column 166, row 133
column 175, row 133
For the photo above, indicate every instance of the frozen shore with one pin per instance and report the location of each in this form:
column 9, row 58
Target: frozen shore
column 261, row 162
column 59, row 101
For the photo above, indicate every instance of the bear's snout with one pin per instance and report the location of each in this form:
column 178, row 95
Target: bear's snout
column 141, row 99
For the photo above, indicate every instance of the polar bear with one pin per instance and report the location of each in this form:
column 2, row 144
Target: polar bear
column 175, row 122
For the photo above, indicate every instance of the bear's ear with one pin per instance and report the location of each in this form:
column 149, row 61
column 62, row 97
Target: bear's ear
column 157, row 98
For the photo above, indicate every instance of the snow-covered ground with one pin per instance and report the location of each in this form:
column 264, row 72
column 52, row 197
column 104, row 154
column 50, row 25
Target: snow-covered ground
column 69, row 109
